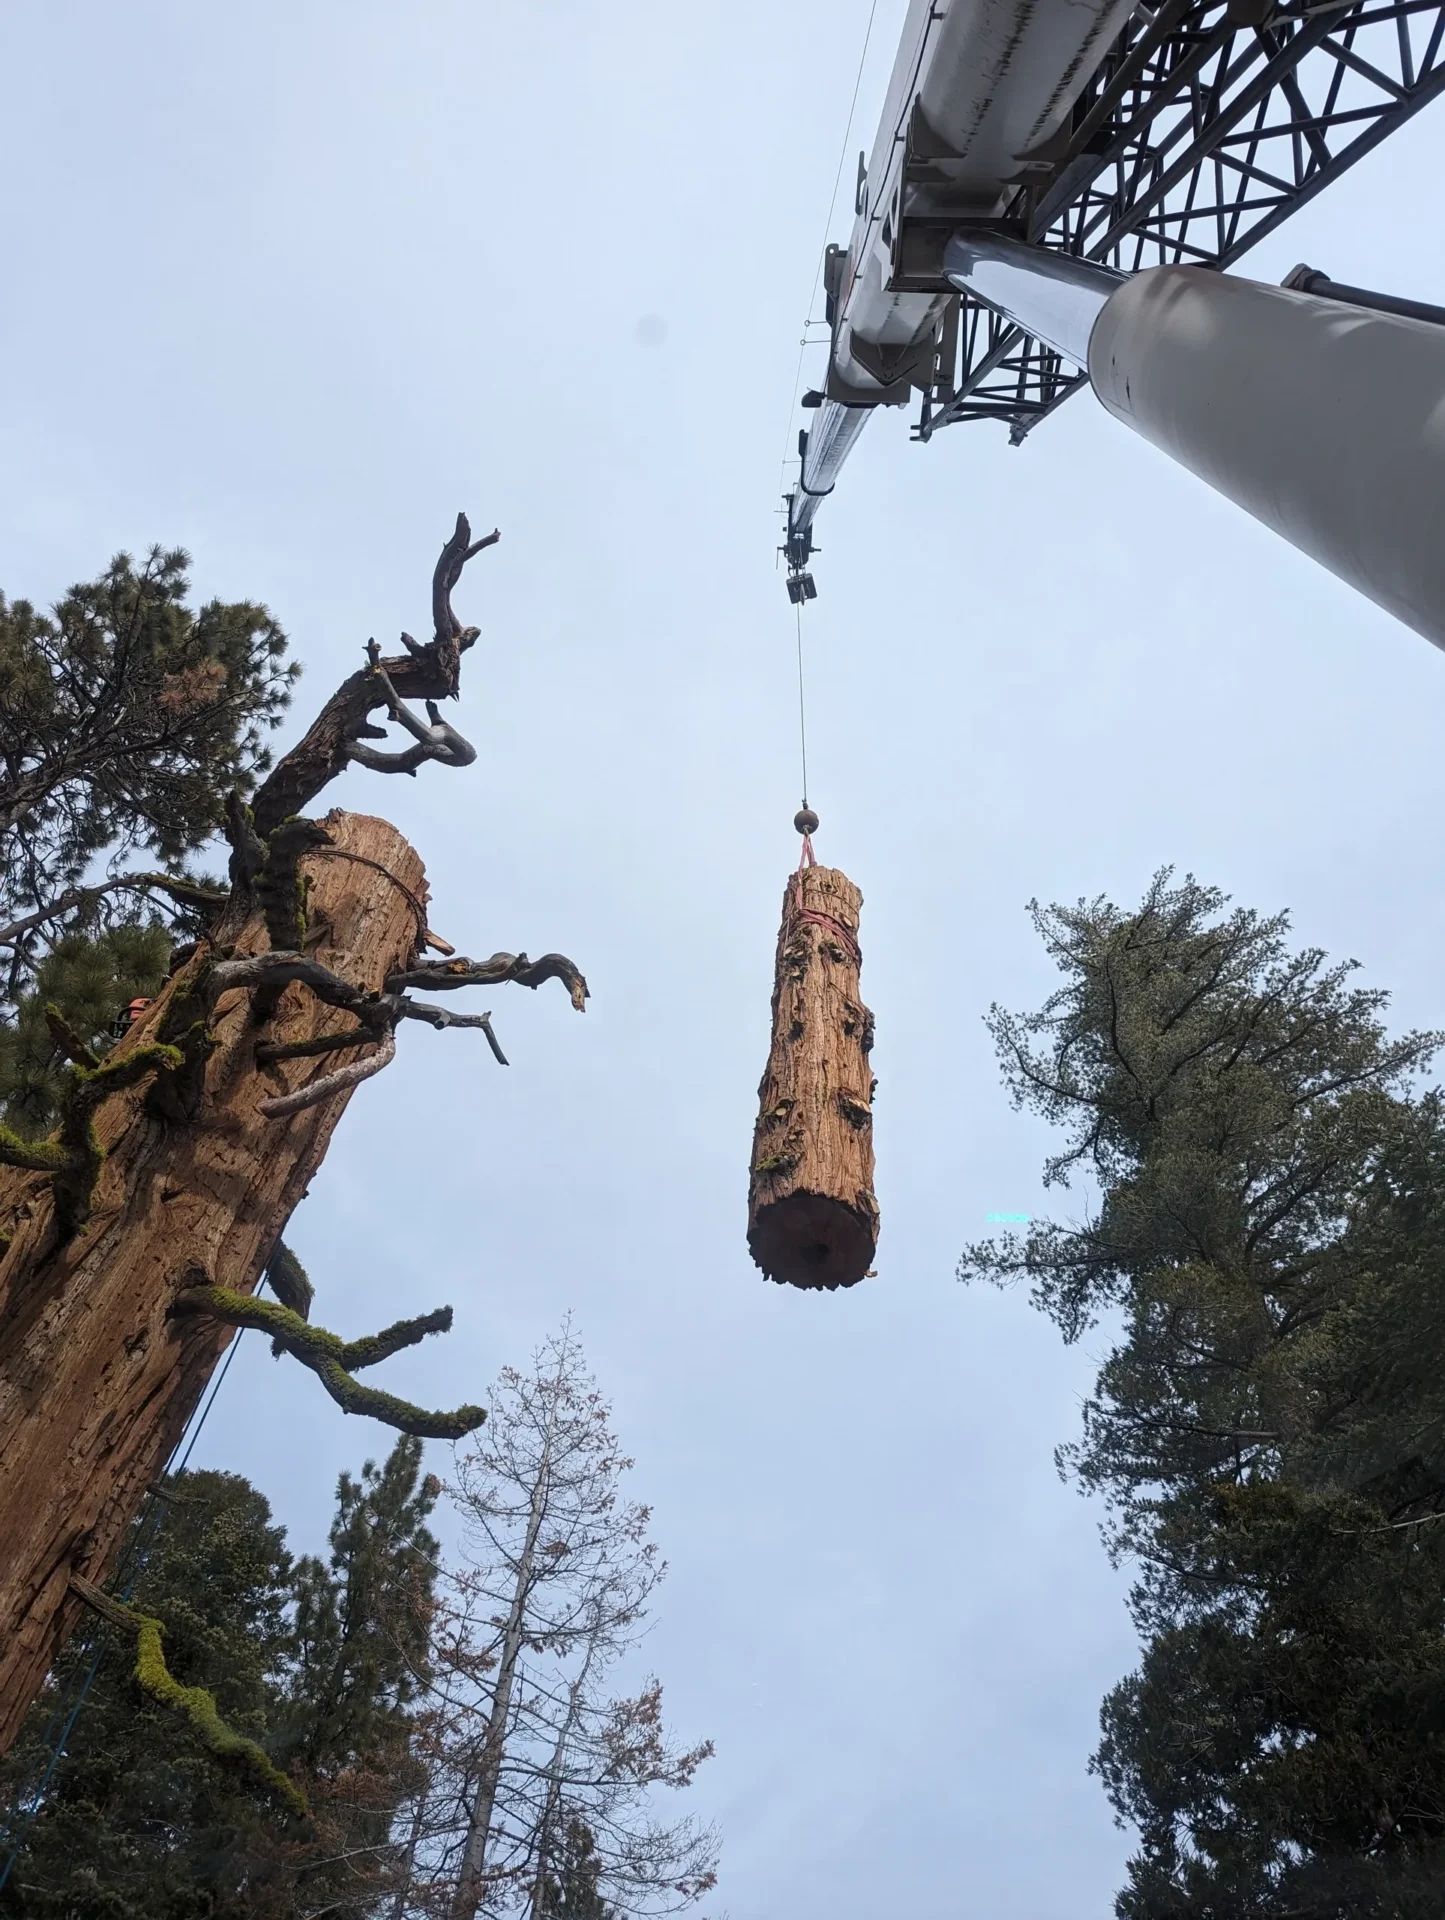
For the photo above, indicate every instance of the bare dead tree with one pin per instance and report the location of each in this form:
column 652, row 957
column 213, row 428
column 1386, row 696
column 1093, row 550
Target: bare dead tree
column 526, row 1731
column 132, row 1240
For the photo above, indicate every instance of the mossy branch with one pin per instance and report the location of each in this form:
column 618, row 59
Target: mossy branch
column 289, row 1281
column 332, row 1359
column 280, row 886
column 152, row 1675
column 37, row 1156
column 75, row 1157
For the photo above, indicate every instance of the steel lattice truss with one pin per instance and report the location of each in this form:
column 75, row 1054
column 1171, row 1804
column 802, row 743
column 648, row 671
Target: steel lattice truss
column 1199, row 136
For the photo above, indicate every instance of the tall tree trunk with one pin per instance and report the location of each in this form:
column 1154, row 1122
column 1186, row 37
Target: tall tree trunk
column 468, row 1895
column 97, row 1382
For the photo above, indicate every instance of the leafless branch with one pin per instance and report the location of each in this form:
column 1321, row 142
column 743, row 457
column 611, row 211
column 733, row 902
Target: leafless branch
column 432, row 672
column 444, row 975
column 315, row 1091
column 440, row 1017
column 279, row 969
column 439, row 741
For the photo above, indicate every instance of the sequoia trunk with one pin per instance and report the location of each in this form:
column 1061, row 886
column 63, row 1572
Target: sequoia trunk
column 96, row 1381
column 812, row 1214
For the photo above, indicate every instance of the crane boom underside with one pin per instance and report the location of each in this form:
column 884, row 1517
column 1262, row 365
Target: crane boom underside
column 1198, row 136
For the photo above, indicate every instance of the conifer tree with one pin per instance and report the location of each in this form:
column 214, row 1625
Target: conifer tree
column 359, row 1659
column 318, row 1660
column 569, row 1887
column 1267, row 1426
column 138, row 1823
column 528, row 1742
column 126, row 718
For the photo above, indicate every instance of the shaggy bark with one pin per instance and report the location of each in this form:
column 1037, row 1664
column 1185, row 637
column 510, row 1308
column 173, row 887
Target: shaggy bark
column 97, row 1376
column 812, row 1214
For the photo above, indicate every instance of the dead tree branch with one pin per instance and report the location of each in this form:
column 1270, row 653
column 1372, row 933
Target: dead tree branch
column 279, row 969
column 431, row 672
column 440, row 1017
column 444, row 975
column 352, row 1075
column 439, row 741
column 333, row 1360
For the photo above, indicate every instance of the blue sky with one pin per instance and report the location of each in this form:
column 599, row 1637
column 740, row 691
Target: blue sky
column 291, row 284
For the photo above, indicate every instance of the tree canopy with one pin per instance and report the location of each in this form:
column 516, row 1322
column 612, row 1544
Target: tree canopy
column 1267, row 1426
column 318, row 1660
column 126, row 717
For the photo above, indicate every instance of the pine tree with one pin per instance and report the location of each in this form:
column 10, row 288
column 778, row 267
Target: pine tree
column 317, row 1660
column 90, row 980
column 360, row 1657
column 1267, row 1427
column 138, row 1822
column 125, row 720
column 569, row 1889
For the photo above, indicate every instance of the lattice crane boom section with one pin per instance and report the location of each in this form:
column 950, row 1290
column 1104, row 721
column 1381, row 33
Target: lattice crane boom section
column 1199, row 135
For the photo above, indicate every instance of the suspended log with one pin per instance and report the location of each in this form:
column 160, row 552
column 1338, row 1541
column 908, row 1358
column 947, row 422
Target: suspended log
column 812, row 1214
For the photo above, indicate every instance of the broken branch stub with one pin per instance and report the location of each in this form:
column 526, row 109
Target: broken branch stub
column 812, row 1213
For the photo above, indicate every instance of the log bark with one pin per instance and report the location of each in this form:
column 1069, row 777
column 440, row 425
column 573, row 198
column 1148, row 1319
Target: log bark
column 97, row 1377
column 812, row 1213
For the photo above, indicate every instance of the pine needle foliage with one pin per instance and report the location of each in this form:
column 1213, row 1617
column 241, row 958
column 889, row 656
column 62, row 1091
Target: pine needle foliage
column 1268, row 1427
column 125, row 718
column 92, row 979
column 315, row 1660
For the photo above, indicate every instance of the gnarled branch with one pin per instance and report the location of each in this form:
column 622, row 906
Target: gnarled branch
column 332, row 1359
column 280, row 968
column 449, row 637
column 445, row 975
column 422, row 673
column 440, row 1017
column 438, row 741
column 196, row 1703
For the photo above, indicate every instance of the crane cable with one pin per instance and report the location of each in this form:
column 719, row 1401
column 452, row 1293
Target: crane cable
column 802, row 715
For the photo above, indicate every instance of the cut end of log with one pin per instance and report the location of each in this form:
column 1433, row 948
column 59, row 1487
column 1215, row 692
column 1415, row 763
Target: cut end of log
column 813, row 1240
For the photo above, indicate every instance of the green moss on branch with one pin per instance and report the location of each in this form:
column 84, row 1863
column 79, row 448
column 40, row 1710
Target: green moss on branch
column 75, row 1157
column 153, row 1676
column 333, row 1359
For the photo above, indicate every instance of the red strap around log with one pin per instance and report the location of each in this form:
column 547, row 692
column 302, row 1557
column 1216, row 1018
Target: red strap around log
column 835, row 927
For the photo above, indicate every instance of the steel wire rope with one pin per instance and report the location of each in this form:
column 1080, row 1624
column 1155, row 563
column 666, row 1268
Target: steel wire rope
column 131, row 1566
column 802, row 717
